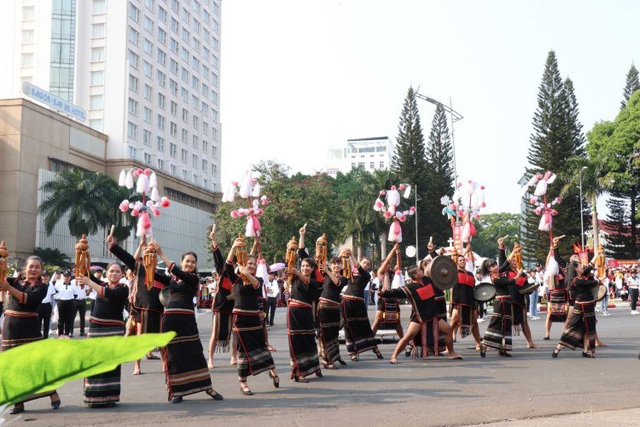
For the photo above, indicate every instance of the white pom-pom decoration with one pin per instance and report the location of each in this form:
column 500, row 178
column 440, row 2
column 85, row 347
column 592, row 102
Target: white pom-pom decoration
column 128, row 182
column 155, row 196
column 142, row 186
column 153, row 180
column 122, row 178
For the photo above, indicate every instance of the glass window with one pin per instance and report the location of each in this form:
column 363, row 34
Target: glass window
column 132, row 130
column 160, row 164
column 148, row 92
column 185, row 135
column 161, row 122
column 149, row 3
column 194, row 160
column 195, row 142
column 175, row 25
column 184, row 74
column 173, row 87
column 185, row 115
column 27, row 59
column 162, row 36
column 215, row 134
column 133, row 106
column 161, row 100
column 147, row 69
column 184, row 155
column 147, row 24
column 147, row 46
column 173, row 150
column 174, row 108
column 173, row 128
column 173, row 66
column 133, row 83
column 147, row 158
column 162, row 57
column 98, row 7
column 205, row 147
column 162, row 14
column 205, row 165
column 160, row 144
column 28, row 13
column 174, row 169
column 132, row 152
column 162, row 79
column 134, row 13
column 97, row 77
column 134, row 36
column 146, row 137
column 96, row 124
column 97, row 54
column 146, row 114
column 173, row 45
column 133, row 59
column 95, row 102
column 175, row 6
column 27, row 36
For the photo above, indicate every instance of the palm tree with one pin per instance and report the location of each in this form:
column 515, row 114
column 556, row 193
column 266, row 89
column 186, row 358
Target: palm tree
column 592, row 173
column 91, row 200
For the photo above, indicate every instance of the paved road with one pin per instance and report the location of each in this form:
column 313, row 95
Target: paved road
column 432, row 392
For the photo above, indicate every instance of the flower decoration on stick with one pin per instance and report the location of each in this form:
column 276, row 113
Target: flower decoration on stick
column 465, row 206
column 391, row 210
column 544, row 209
column 146, row 184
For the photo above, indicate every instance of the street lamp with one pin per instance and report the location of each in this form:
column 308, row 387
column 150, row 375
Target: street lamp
column 416, row 199
column 581, row 215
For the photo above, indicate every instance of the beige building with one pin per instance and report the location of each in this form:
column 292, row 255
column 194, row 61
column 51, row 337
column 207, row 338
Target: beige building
column 36, row 142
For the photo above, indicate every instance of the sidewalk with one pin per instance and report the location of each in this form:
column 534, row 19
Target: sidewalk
column 619, row 417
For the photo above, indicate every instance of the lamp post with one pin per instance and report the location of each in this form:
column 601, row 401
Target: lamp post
column 416, row 198
column 581, row 215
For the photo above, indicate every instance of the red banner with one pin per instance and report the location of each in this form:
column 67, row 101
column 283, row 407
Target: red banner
column 457, row 238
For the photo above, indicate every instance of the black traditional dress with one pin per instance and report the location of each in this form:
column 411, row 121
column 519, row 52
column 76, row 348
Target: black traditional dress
column 106, row 321
column 498, row 333
column 222, row 307
column 301, row 327
column 145, row 303
column 21, row 325
column 253, row 356
column 389, row 307
column 329, row 315
column 464, row 301
column 440, row 297
column 424, row 312
column 185, row 366
column 357, row 328
column 559, row 297
column 583, row 319
column 518, row 303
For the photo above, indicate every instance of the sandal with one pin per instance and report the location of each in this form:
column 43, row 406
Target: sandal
column 588, row 355
column 300, row 379
column 354, row 358
column 319, row 373
column 343, row 363
column 483, row 351
column 555, row 353
column 244, row 388
column 17, row 408
column 276, row 380
column 215, row 395
column 378, row 354
column 393, row 361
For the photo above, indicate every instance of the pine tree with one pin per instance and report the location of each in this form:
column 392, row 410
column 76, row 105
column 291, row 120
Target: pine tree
column 557, row 135
column 633, row 84
column 618, row 222
column 440, row 158
column 409, row 163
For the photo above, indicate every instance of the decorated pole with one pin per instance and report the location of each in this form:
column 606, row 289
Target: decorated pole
column 462, row 209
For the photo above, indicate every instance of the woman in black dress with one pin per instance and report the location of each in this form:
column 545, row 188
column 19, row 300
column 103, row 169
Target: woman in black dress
column 21, row 325
column 301, row 327
column 106, row 320
column 253, row 356
column 185, row 365
column 329, row 315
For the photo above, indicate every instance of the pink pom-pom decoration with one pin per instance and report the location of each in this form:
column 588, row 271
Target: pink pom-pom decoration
column 459, row 184
column 387, row 214
column 383, row 193
column 403, row 218
column 538, row 210
column 156, row 212
column 393, row 187
column 234, row 214
column 482, row 187
column 234, row 183
column 135, row 212
column 164, row 201
column 147, row 172
column 533, row 200
column 124, row 206
column 412, row 210
column 454, row 207
column 402, row 187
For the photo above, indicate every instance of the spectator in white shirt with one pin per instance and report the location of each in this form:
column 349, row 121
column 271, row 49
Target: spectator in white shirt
column 66, row 293
column 272, row 289
column 45, row 308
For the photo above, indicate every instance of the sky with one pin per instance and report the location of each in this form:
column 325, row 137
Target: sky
column 299, row 76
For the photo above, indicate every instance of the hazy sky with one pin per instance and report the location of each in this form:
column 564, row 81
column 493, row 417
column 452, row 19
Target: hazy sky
column 299, row 76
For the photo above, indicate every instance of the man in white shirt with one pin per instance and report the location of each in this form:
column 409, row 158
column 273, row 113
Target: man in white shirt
column 272, row 289
column 45, row 308
column 633, row 284
column 66, row 293
column 80, row 304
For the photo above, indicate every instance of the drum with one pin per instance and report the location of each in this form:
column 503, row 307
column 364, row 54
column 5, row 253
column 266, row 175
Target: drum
column 164, row 297
column 443, row 272
column 528, row 288
column 599, row 292
column 484, row 292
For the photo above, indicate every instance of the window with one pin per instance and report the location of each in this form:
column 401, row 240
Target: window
column 160, row 144
column 372, row 165
column 195, row 142
column 133, row 59
column 204, row 183
column 146, row 137
column 134, row 13
column 214, row 133
column 185, row 115
column 27, row 13
column 195, row 83
column 205, row 112
column 160, row 164
column 214, row 97
column 27, row 36
column 196, row 26
column 184, row 174
column 174, row 169
column 146, row 114
column 184, row 155
column 162, row 14
column 185, row 135
column 97, row 77
column 214, row 61
column 205, row 147
column 206, row 15
column 173, row 66
column 173, row 45
column 147, row 47
column 175, row 26
column 214, row 79
column 162, row 36
column 173, row 128
column 381, row 165
column 149, row 3
column 147, row 24
column 194, row 101
column 214, row 114
column 214, row 170
column 97, row 30
column 147, row 158
column 196, row 45
column 185, row 35
column 174, row 108
column 173, row 150
column 194, row 160
column 173, row 87
column 27, row 59
column 98, row 7
column 132, row 152
column 96, row 124
column 132, row 130
column 175, row 6
column 95, row 102
column 184, row 94
column 147, row 69
column 133, row 106
column 196, row 122
column 205, row 53
column 161, row 122
column 97, row 54
column 205, row 165
column 148, row 92
column 161, row 100
column 162, row 79
column 134, row 36
column 162, row 57
column 205, row 127
column 184, row 54
column 133, row 83
column 206, row 34
column 186, row 16
column 214, row 43
column 214, row 151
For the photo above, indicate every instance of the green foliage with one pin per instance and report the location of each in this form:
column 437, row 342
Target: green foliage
column 52, row 257
column 633, row 84
column 90, row 198
column 439, row 153
column 492, row 226
column 410, row 165
column 557, row 136
column 45, row 365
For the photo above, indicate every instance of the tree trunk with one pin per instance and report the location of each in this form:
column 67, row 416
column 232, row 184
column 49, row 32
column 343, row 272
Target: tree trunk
column 359, row 246
column 383, row 246
column 594, row 223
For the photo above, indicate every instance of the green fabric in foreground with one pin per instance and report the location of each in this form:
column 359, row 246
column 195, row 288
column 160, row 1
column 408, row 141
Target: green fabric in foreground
column 45, row 365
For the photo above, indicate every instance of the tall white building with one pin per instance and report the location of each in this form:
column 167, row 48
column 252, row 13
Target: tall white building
column 369, row 153
column 146, row 71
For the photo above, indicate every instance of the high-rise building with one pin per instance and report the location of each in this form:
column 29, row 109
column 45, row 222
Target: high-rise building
column 369, row 153
column 146, row 71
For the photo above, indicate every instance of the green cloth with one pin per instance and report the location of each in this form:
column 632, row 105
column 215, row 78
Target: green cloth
column 45, row 365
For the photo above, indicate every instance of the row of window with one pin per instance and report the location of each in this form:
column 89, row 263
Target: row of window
column 372, row 165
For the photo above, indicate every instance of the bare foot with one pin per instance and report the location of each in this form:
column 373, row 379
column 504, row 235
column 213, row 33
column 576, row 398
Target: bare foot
column 233, row 362
column 136, row 371
column 455, row 356
column 601, row 344
column 532, row 345
column 271, row 348
column 393, row 360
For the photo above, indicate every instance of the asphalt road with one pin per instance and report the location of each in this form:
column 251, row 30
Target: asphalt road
column 435, row 391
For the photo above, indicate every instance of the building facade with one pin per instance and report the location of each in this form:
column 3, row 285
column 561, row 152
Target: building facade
column 371, row 154
column 146, row 71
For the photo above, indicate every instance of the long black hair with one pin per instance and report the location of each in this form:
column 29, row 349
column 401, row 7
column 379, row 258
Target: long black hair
column 487, row 265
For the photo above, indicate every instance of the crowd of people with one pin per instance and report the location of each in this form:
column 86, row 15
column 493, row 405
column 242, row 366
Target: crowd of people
column 321, row 297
